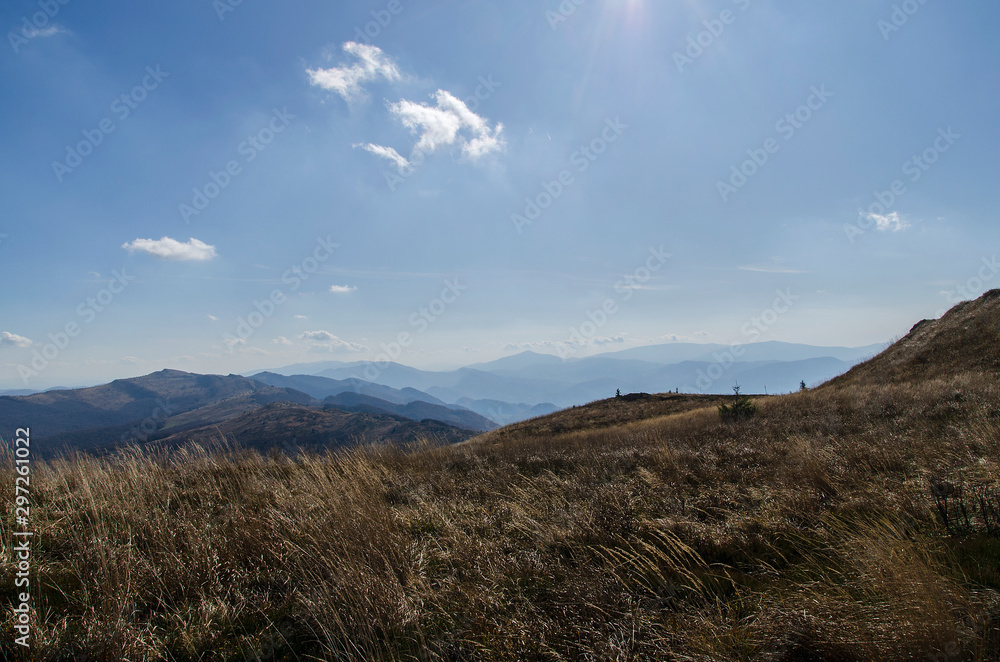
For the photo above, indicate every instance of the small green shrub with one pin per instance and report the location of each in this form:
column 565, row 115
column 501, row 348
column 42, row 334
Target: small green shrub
column 742, row 408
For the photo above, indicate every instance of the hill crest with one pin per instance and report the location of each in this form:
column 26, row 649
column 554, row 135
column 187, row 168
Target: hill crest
column 965, row 339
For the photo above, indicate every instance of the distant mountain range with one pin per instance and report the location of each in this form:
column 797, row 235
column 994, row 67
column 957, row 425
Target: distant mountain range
column 323, row 387
column 329, row 403
column 532, row 379
column 28, row 391
column 100, row 415
column 172, row 406
column 358, row 395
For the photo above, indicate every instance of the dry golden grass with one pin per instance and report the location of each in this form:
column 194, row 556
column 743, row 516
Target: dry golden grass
column 809, row 532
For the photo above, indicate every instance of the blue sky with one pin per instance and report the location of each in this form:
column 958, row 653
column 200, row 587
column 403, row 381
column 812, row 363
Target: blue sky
column 471, row 179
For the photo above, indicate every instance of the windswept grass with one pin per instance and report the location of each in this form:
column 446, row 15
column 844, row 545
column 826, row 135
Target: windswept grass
column 809, row 531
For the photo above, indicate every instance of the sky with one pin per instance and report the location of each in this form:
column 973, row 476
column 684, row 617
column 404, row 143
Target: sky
column 225, row 186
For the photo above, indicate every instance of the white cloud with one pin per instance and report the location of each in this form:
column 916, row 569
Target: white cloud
column 171, row 249
column 447, row 123
column 611, row 340
column 324, row 341
column 301, row 317
column 347, row 80
column 443, row 124
column 319, row 336
column 891, row 222
column 342, row 289
column 387, row 153
column 213, row 318
column 130, row 360
column 281, row 340
column 8, row 339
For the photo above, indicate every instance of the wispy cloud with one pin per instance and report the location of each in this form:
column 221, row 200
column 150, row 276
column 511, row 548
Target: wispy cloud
column 697, row 336
column 8, row 339
column 347, row 80
column 612, row 340
column 387, row 153
column 324, row 341
column 171, row 249
column 771, row 270
column 281, row 340
column 891, row 222
column 342, row 289
column 48, row 31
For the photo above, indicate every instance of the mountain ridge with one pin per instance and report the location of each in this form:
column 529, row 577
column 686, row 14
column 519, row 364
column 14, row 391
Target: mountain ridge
column 965, row 339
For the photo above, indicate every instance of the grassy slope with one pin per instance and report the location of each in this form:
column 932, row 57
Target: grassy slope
column 966, row 338
column 808, row 532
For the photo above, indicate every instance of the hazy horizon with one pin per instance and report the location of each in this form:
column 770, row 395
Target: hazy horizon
column 379, row 361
